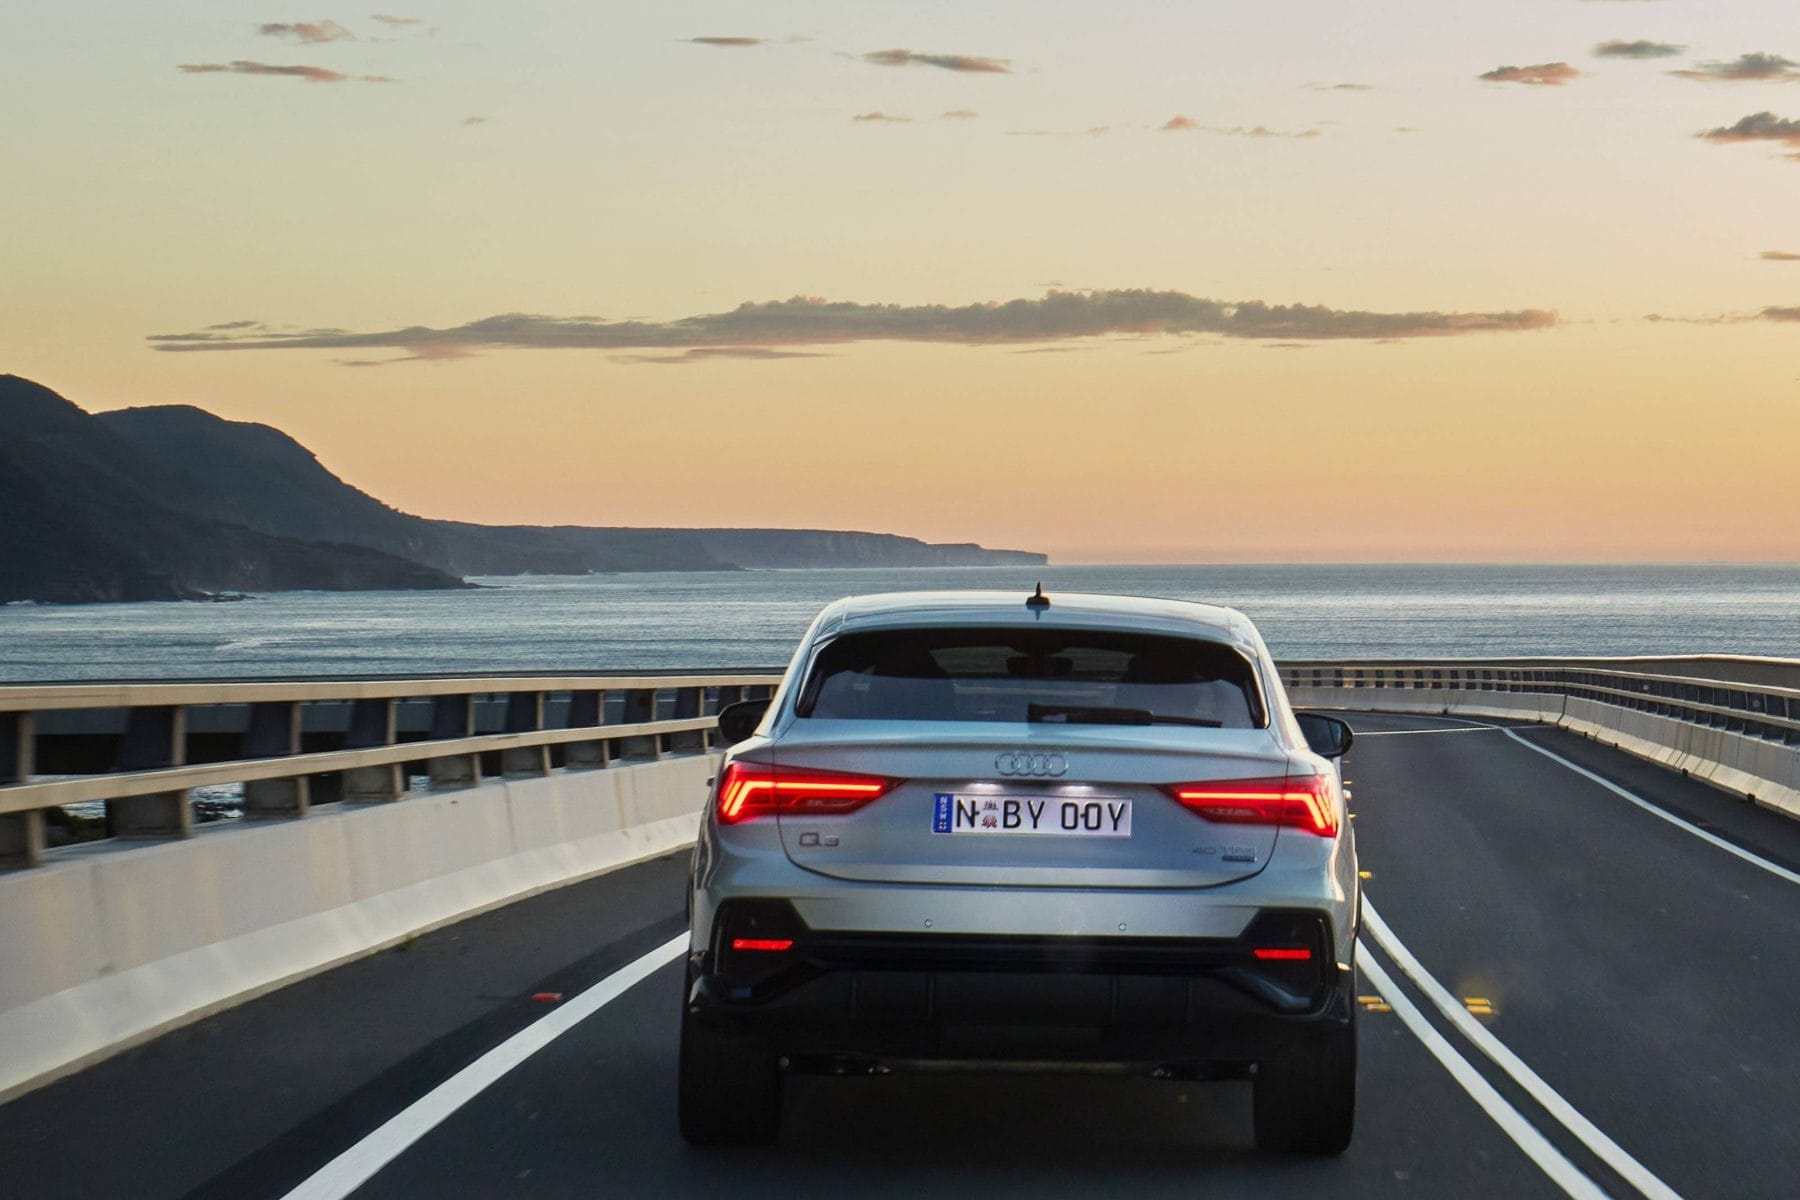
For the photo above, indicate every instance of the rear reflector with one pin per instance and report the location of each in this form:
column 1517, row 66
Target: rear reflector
column 1283, row 953
column 749, row 790
column 1296, row 802
column 770, row 945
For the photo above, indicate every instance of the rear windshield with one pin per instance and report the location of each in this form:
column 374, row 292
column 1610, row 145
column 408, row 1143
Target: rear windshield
column 1042, row 675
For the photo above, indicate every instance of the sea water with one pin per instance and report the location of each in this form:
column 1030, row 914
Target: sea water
column 741, row 619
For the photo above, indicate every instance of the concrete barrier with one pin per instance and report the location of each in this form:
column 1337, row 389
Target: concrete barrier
column 105, row 946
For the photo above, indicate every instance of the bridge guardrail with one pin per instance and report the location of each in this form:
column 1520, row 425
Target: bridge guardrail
column 1741, row 736
column 1744, row 736
column 600, row 720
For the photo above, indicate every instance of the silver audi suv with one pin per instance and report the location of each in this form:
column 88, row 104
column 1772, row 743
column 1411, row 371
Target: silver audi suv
column 992, row 827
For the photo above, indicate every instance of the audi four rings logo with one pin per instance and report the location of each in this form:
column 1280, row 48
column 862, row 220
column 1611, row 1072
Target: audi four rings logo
column 1023, row 763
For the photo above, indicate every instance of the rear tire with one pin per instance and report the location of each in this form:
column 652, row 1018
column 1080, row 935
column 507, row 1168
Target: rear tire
column 1306, row 1102
column 729, row 1088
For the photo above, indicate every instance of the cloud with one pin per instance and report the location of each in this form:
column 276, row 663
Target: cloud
column 1745, row 68
column 1092, row 131
column 1338, row 87
column 436, row 352
column 309, row 74
column 1180, row 123
column 1779, row 256
column 469, row 122
column 726, row 41
column 1757, row 127
column 754, row 329
column 385, row 19
column 978, row 64
column 1263, row 131
column 877, row 117
column 712, row 353
column 1777, row 313
column 1715, row 319
column 226, row 325
column 1552, row 74
column 308, row 32
column 959, row 114
column 1618, row 48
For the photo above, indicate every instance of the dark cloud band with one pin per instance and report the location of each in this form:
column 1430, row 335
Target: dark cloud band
column 291, row 71
column 975, row 63
column 308, row 32
column 752, row 329
column 1553, row 74
column 1745, row 68
column 1618, row 48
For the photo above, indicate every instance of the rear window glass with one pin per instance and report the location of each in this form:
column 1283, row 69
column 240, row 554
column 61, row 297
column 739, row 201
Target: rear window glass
column 1048, row 675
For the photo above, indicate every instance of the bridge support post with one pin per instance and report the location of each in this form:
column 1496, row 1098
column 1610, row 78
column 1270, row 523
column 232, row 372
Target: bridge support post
column 525, row 714
column 274, row 731
column 154, row 737
column 372, row 724
column 454, row 717
column 690, row 702
column 21, row 834
column 585, row 709
column 640, row 707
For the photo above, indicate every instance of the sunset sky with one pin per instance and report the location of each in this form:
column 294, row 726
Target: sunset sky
column 1180, row 282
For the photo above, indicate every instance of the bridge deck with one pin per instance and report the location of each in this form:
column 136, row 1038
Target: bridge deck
column 1644, row 974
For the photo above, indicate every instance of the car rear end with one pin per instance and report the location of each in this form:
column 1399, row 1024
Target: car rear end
column 976, row 830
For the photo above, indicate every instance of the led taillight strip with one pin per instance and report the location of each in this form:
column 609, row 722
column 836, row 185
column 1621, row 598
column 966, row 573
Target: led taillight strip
column 1301, row 802
column 750, row 790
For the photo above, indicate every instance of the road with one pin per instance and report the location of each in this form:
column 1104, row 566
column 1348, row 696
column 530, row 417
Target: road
column 1639, row 974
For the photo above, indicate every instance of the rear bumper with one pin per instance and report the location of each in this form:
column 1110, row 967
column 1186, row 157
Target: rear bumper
column 1199, row 1005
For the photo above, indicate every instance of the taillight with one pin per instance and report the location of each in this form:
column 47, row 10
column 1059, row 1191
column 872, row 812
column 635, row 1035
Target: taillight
column 1297, row 802
column 750, row 790
column 766, row 945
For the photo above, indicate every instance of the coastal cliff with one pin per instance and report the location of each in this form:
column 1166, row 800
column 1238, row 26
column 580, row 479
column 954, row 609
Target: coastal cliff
column 172, row 502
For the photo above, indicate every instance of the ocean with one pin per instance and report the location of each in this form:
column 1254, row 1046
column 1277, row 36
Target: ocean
column 719, row 620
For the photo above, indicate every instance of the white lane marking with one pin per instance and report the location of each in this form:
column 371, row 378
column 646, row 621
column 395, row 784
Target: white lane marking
column 1608, row 1151
column 1671, row 818
column 1524, row 1134
column 355, row 1166
column 1398, row 732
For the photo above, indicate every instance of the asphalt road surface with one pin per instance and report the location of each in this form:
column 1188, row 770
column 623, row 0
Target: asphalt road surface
column 1569, row 993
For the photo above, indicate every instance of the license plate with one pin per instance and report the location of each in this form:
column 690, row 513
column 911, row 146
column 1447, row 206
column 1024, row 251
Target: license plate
column 1085, row 816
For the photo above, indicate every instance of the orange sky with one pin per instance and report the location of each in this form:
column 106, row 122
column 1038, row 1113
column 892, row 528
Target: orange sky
column 1478, row 379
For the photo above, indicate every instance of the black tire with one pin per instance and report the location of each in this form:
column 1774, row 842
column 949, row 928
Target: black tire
column 1306, row 1102
column 729, row 1089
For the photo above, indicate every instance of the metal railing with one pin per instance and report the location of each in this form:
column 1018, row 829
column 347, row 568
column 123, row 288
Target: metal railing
column 1764, row 711
column 462, row 731
column 290, row 745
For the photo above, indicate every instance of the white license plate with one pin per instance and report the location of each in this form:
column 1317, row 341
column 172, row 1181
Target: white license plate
column 1082, row 816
